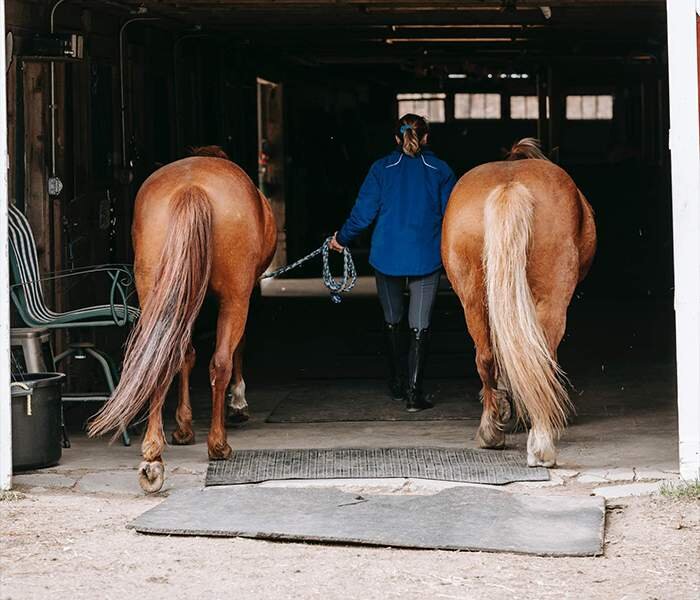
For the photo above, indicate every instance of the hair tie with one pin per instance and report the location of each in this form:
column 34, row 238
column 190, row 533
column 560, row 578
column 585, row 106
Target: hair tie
column 404, row 128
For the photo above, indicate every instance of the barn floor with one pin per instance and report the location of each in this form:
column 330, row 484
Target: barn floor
column 70, row 525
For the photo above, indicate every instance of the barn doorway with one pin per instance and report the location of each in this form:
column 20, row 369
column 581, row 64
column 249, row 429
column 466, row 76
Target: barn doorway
column 304, row 97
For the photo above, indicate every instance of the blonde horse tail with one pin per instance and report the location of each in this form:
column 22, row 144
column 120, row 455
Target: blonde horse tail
column 157, row 345
column 523, row 360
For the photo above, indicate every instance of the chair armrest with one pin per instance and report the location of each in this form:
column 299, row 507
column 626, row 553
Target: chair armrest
column 121, row 288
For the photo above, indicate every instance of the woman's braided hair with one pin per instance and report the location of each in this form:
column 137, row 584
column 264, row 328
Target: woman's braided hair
column 411, row 130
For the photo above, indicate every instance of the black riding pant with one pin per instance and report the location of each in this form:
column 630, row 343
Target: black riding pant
column 422, row 293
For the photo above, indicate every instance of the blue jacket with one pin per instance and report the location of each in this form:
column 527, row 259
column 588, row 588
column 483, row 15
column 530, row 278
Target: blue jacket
column 406, row 196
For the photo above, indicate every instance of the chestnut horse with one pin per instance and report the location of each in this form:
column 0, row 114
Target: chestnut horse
column 200, row 225
column 517, row 238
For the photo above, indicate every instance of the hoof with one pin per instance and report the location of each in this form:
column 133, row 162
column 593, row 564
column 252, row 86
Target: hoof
column 491, row 438
column 490, row 433
column 541, row 451
column 538, row 461
column 220, row 452
column 182, row 438
column 238, row 415
column 151, row 476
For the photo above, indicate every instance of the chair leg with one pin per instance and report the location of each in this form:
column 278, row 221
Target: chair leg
column 109, row 370
column 65, row 440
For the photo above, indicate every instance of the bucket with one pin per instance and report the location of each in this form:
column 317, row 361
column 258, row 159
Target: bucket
column 36, row 421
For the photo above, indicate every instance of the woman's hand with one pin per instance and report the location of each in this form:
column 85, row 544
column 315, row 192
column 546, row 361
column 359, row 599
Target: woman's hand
column 334, row 245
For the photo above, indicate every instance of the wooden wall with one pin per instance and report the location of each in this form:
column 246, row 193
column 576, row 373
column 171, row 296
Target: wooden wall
column 203, row 94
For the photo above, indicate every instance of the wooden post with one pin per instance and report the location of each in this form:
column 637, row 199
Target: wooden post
column 5, row 397
column 684, row 142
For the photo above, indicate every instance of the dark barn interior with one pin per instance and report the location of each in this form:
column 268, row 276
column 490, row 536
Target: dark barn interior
column 304, row 96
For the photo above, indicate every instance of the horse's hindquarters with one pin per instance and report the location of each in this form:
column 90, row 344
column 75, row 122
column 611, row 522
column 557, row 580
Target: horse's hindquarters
column 511, row 250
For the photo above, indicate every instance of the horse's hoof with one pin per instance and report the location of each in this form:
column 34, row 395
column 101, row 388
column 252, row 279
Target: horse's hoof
column 151, row 476
column 538, row 461
column 541, row 450
column 182, row 438
column 490, row 435
column 220, row 452
column 497, row 441
column 238, row 415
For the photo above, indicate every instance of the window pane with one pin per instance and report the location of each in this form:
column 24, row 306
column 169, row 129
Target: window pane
column 532, row 107
column 523, row 107
column 588, row 107
column 493, row 106
column 517, row 107
column 477, row 106
column 605, row 107
column 430, row 106
column 573, row 107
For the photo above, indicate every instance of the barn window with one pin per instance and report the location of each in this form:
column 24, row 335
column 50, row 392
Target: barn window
column 477, row 106
column 430, row 106
column 524, row 107
column 589, row 108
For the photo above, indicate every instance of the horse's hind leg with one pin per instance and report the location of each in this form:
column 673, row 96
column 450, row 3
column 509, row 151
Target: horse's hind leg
column 551, row 314
column 229, row 330
column 496, row 407
column 238, row 405
column 184, row 434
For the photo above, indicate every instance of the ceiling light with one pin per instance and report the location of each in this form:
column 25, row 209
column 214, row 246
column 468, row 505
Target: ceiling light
column 451, row 40
column 457, row 75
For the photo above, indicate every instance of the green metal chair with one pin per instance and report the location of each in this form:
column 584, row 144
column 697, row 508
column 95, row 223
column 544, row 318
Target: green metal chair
column 28, row 297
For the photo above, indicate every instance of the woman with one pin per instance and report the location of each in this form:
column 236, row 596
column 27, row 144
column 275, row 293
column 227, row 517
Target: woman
column 405, row 195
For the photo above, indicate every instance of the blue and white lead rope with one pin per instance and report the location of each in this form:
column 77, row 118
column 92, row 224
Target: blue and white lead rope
column 335, row 287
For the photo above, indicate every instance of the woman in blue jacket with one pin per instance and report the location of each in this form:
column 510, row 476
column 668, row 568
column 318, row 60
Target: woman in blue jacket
column 404, row 195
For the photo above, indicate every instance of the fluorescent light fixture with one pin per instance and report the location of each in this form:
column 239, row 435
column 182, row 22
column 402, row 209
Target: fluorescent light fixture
column 431, row 40
column 457, row 75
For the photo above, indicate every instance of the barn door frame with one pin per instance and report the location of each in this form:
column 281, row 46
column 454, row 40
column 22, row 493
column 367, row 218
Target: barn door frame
column 5, row 398
column 684, row 143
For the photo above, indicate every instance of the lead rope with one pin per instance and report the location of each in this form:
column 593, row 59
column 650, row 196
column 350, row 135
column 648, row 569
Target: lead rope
column 336, row 287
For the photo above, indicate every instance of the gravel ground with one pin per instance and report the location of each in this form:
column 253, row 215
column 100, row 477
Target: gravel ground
column 75, row 545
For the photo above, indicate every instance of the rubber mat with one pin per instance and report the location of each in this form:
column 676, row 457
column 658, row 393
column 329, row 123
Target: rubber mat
column 357, row 400
column 459, row 518
column 446, row 464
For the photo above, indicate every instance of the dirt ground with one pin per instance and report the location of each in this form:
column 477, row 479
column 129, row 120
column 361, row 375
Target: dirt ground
column 76, row 545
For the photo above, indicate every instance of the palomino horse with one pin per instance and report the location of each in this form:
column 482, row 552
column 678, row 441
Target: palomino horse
column 199, row 224
column 517, row 238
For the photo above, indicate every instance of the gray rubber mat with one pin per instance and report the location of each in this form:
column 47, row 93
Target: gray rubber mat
column 362, row 400
column 445, row 464
column 460, row 518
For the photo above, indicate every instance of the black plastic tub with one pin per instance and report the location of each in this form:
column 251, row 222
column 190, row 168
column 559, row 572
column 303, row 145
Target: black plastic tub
column 36, row 421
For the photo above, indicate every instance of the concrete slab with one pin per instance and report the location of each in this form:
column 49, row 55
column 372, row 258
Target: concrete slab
column 631, row 489
column 590, row 478
column 45, row 480
column 459, row 518
column 126, row 482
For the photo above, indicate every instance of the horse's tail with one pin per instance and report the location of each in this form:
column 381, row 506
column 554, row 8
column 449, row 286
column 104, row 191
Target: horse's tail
column 526, row 148
column 521, row 352
column 157, row 345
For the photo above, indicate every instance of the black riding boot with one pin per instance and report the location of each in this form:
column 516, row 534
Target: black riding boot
column 393, row 355
column 417, row 352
